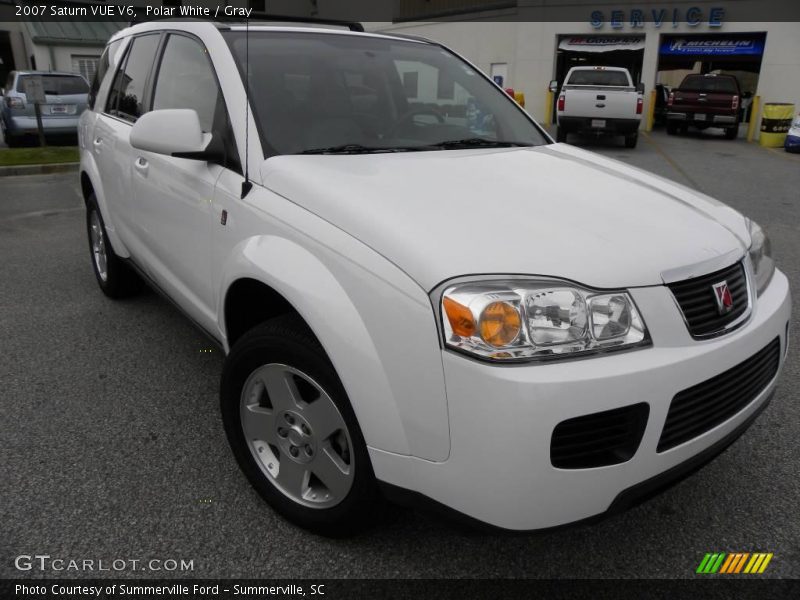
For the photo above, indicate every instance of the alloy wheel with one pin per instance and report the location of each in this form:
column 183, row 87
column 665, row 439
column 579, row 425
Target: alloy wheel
column 98, row 245
column 297, row 436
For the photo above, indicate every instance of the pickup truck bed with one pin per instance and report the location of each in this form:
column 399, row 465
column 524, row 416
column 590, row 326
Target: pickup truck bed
column 599, row 100
column 703, row 101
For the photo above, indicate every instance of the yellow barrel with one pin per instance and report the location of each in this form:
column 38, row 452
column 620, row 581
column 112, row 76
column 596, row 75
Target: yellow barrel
column 775, row 123
column 520, row 98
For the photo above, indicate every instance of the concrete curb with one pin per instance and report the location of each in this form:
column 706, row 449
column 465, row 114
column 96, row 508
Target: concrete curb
column 38, row 169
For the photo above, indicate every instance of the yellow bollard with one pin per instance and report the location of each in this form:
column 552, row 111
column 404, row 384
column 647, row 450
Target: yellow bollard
column 751, row 126
column 651, row 111
column 519, row 97
column 548, row 108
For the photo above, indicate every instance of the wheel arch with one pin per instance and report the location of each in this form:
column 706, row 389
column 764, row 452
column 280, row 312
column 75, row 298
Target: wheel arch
column 248, row 302
column 91, row 182
column 272, row 275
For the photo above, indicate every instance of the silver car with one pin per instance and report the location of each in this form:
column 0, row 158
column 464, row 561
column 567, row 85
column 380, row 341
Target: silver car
column 65, row 94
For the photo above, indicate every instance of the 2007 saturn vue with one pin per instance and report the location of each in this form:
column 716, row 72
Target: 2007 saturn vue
column 419, row 294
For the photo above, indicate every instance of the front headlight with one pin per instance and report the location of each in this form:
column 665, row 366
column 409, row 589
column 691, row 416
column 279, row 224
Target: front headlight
column 760, row 256
column 514, row 320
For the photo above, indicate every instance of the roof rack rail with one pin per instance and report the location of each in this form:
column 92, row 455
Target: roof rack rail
column 254, row 16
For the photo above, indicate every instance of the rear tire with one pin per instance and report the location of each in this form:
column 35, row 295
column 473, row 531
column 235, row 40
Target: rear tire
column 631, row 140
column 293, row 431
column 731, row 133
column 115, row 278
column 672, row 128
column 561, row 134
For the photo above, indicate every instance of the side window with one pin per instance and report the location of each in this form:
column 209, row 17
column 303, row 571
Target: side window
column 186, row 80
column 126, row 99
column 102, row 70
column 10, row 81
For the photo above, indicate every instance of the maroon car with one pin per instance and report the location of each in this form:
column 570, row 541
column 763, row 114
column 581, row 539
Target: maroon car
column 703, row 101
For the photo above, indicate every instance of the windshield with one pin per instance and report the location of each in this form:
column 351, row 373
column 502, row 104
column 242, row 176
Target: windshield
column 612, row 78
column 315, row 92
column 58, row 85
column 703, row 83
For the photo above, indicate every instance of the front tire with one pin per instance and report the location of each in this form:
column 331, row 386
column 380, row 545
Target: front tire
column 293, row 432
column 672, row 128
column 115, row 278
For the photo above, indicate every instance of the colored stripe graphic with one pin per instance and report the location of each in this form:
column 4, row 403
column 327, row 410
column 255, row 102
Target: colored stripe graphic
column 732, row 558
column 741, row 562
column 735, row 562
column 711, row 563
column 703, row 563
column 764, row 564
column 759, row 562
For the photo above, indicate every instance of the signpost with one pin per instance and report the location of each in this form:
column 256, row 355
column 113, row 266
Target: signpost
column 34, row 92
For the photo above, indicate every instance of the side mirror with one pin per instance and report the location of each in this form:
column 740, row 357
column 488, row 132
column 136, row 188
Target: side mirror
column 174, row 132
column 640, row 87
column 746, row 95
column 554, row 85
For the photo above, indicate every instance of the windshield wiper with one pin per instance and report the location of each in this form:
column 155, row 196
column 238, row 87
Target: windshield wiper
column 361, row 149
column 479, row 143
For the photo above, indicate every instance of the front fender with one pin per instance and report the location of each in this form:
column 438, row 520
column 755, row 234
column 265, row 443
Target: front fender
column 380, row 337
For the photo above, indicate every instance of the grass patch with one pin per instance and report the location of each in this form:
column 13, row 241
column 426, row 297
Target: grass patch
column 38, row 156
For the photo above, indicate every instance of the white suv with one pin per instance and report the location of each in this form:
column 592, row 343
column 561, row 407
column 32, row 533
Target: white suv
column 419, row 294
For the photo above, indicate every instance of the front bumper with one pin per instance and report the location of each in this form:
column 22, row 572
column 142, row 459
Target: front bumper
column 502, row 418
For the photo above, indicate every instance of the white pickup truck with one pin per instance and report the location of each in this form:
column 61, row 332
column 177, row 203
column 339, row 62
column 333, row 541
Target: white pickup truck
column 599, row 100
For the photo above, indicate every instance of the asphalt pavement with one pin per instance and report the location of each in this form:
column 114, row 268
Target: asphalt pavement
column 112, row 447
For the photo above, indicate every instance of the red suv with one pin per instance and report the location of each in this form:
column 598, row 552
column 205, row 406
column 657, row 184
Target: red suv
column 705, row 101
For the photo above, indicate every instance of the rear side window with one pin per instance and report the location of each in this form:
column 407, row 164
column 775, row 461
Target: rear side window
column 102, row 69
column 126, row 99
column 615, row 78
column 10, row 81
column 186, row 80
column 57, row 85
column 703, row 83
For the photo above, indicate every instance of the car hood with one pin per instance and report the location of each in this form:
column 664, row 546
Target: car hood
column 552, row 210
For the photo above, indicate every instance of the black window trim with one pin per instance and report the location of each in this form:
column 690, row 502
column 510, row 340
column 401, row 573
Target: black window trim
column 94, row 93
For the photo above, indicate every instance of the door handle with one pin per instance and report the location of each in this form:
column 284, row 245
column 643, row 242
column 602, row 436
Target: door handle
column 141, row 165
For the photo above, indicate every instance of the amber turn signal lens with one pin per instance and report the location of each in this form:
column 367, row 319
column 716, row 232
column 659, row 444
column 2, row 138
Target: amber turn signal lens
column 461, row 320
column 500, row 324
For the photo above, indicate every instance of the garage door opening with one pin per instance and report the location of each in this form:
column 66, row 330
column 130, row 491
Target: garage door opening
column 726, row 54
column 599, row 51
